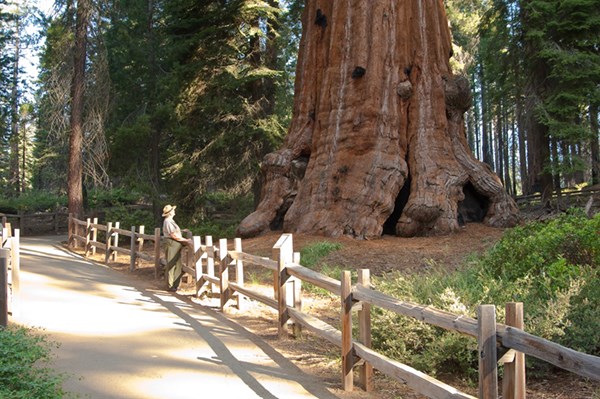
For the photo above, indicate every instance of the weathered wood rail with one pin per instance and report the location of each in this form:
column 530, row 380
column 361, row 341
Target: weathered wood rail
column 39, row 222
column 9, row 272
column 86, row 232
column 220, row 270
column 567, row 198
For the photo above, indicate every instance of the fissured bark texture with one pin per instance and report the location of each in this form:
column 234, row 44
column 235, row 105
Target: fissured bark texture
column 377, row 130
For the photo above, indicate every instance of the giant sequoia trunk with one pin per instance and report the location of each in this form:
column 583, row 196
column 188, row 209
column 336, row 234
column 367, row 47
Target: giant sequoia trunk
column 377, row 137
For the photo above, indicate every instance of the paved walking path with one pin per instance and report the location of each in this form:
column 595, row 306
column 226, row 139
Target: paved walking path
column 119, row 339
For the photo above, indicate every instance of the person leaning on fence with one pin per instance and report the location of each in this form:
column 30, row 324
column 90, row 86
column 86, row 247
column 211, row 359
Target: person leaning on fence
column 175, row 243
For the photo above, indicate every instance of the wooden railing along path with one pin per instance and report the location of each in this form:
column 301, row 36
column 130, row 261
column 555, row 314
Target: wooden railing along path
column 37, row 223
column 219, row 269
column 9, row 272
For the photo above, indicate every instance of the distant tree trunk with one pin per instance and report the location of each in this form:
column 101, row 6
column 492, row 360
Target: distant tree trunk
column 595, row 147
column 15, row 175
column 556, row 172
column 499, row 145
column 377, row 136
column 157, row 125
column 523, row 171
column 505, row 153
column 513, row 157
column 538, row 142
column 486, row 143
column 74, row 182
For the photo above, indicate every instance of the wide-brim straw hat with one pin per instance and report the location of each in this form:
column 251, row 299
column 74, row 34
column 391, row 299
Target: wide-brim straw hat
column 168, row 208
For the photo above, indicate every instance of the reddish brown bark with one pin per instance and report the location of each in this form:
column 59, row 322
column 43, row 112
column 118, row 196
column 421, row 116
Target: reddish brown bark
column 378, row 117
column 74, row 183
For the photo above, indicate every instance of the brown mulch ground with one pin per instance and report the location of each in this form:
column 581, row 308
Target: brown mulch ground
column 407, row 255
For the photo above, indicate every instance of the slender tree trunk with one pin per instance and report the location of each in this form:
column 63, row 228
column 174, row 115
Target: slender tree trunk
column 157, row 126
column 15, row 175
column 505, row 153
column 477, row 120
column 377, row 135
column 513, row 156
column 24, row 144
column 487, row 144
column 525, row 187
column 499, row 145
column 556, row 172
column 74, row 182
column 538, row 142
column 594, row 146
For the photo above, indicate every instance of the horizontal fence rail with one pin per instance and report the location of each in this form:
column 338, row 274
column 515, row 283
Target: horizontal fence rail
column 38, row 222
column 219, row 269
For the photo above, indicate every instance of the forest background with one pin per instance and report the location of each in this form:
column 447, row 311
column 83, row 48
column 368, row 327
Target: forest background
column 184, row 98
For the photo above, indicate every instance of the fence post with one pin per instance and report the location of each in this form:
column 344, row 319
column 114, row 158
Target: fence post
column 140, row 242
column 15, row 265
column 156, row 251
column 70, row 230
column 116, row 241
column 132, row 250
column 239, row 273
column 364, row 330
column 4, row 287
column 283, row 253
column 486, row 344
column 108, row 242
column 87, row 236
column 210, row 262
column 21, row 217
column 296, row 301
column 224, row 291
column 197, row 256
column 94, row 235
column 347, row 352
column 513, row 382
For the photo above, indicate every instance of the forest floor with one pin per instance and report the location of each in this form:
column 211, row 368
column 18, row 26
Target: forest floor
column 405, row 255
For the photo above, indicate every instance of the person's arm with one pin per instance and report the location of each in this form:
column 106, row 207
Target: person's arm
column 178, row 237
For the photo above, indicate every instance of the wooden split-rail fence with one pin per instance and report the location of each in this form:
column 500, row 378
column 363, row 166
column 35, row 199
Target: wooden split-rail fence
column 9, row 272
column 220, row 269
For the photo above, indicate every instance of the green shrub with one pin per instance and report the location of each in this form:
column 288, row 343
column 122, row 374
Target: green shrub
column 33, row 201
column 101, row 198
column 551, row 267
column 311, row 254
column 128, row 218
column 23, row 371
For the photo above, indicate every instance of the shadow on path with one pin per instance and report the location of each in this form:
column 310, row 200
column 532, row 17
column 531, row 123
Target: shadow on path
column 121, row 340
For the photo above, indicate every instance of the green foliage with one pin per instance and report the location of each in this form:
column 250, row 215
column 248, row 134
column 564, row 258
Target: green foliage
column 551, row 267
column 131, row 217
column 23, row 374
column 100, row 199
column 311, row 254
column 218, row 214
column 33, row 201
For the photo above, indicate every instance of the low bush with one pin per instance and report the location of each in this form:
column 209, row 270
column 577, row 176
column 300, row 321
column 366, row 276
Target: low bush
column 102, row 198
column 24, row 356
column 33, row 201
column 551, row 267
column 128, row 217
column 311, row 256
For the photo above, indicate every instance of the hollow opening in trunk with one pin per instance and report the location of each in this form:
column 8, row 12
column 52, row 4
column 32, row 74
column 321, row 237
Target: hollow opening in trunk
column 389, row 227
column 474, row 207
